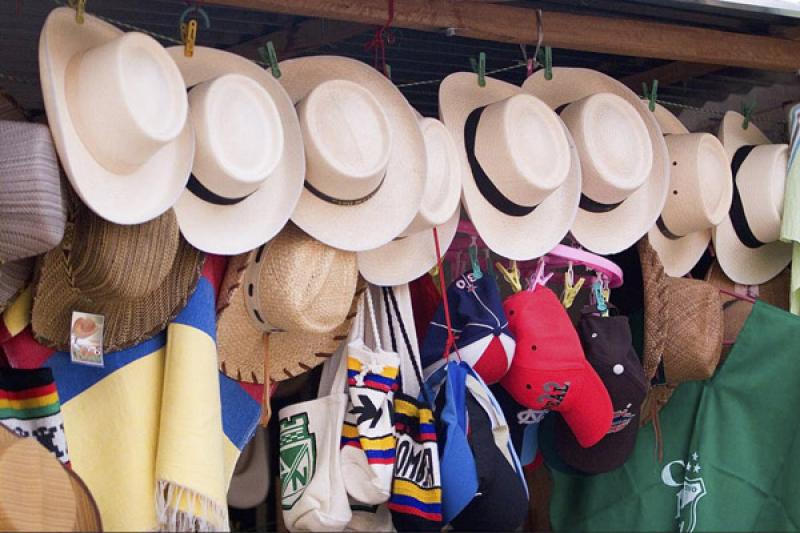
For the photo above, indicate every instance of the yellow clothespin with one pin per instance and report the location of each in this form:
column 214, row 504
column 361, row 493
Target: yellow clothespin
column 189, row 36
column 80, row 9
column 512, row 277
column 606, row 290
column 571, row 289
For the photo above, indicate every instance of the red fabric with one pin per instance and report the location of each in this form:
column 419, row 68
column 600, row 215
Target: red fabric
column 550, row 370
column 425, row 299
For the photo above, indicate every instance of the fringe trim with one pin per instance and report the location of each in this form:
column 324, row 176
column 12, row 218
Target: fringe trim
column 179, row 508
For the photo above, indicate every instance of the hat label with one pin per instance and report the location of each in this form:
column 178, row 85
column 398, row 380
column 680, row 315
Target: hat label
column 86, row 339
column 531, row 416
column 553, row 394
column 621, row 420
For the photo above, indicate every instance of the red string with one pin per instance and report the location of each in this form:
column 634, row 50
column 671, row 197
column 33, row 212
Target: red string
column 451, row 339
column 378, row 43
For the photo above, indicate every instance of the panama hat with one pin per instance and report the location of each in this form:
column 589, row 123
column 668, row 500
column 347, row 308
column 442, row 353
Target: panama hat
column 138, row 277
column 249, row 163
column 279, row 298
column 117, row 108
column 701, row 188
column 413, row 253
column 746, row 242
column 365, row 155
column 38, row 493
column 520, row 169
column 623, row 155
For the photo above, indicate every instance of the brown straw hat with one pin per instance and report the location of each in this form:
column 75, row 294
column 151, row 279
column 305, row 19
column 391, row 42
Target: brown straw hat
column 138, row 277
column 38, row 493
column 682, row 330
column 297, row 291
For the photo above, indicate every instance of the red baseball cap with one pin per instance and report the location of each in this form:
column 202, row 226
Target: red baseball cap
column 550, row 370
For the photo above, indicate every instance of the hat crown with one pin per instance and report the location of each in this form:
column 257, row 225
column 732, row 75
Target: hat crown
column 522, row 147
column 347, row 139
column 614, row 146
column 761, row 181
column 239, row 134
column 110, row 260
column 127, row 100
column 701, row 183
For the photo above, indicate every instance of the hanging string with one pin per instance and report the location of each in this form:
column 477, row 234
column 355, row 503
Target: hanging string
column 378, row 44
column 451, row 339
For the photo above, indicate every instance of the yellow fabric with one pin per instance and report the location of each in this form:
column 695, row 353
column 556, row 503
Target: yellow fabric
column 17, row 315
column 408, row 488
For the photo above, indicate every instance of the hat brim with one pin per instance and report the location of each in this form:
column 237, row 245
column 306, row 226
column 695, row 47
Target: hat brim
column 385, row 215
column 517, row 238
column 679, row 256
column 744, row 265
column 237, row 228
column 108, row 194
column 249, row 487
column 618, row 229
column 406, row 258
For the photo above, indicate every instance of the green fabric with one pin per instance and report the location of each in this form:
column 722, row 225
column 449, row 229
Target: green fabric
column 790, row 230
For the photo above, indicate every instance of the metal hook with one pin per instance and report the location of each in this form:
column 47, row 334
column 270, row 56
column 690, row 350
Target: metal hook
column 196, row 10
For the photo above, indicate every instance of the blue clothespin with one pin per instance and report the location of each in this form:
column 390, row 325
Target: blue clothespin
column 650, row 95
column 747, row 111
column 479, row 68
column 599, row 299
column 473, row 258
column 270, row 57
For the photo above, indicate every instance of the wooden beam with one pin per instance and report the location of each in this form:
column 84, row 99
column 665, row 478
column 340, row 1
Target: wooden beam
column 504, row 23
column 674, row 72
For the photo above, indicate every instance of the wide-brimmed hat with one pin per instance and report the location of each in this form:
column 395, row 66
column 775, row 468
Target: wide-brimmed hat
column 413, row 253
column 117, row 108
column 700, row 195
column 38, row 492
column 682, row 330
column 290, row 298
column 747, row 241
column 138, row 277
column 249, row 162
column 521, row 173
column 365, row 155
column 623, row 155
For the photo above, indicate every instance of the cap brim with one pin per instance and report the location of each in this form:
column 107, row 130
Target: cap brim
column 238, row 228
column 548, row 449
column 517, row 238
column 163, row 176
column 589, row 415
column 618, row 229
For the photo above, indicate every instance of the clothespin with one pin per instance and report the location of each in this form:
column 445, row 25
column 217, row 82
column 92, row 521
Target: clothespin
column 189, row 29
column 387, row 71
column 270, row 57
column 548, row 63
column 539, row 278
column 606, row 289
column 435, row 272
column 489, row 265
column 747, row 111
column 599, row 299
column 80, row 9
column 650, row 95
column 571, row 289
column 473, row 258
column 479, row 68
column 458, row 268
column 512, row 276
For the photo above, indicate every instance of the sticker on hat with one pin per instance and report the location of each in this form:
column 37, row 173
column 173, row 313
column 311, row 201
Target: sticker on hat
column 622, row 153
column 117, row 108
column 249, row 162
column 521, row 174
column 747, row 241
column 700, row 193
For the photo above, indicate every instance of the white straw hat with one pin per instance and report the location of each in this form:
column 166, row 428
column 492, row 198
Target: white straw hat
column 249, row 162
column 413, row 253
column 365, row 155
column 520, row 170
column 700, row 194
column 746, row 242
column 623, row 155
column 117, row 109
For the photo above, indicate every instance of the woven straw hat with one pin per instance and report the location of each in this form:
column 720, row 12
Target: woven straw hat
column 295, row 290
column 682, row 329
column 622, row 151
column 413, row 253
column 117, row 108
column 249, row 162
column 747, row 241
column 38, row 493
column 701, row 188
column 365, row 155
column 520, row 170
column 138, row 277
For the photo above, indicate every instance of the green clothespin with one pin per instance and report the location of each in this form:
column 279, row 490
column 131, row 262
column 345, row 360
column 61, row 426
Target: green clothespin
column 479, row 68
column 747, row 111
column 473, row 258
column 650, row 95
column 547, row 52
column 270, row 57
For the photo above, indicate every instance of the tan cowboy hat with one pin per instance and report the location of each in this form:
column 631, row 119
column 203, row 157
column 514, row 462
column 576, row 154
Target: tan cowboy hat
column 38, row 493
column 747, row 241
column 700, row 194
column 365, row 155
column 413, row 253
column 138, row 277
column 249, row 162
column 520, row 170
column 290, row 298
column 250, row 481
column 117, row 108
column 682, row 330
column 622, row 151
